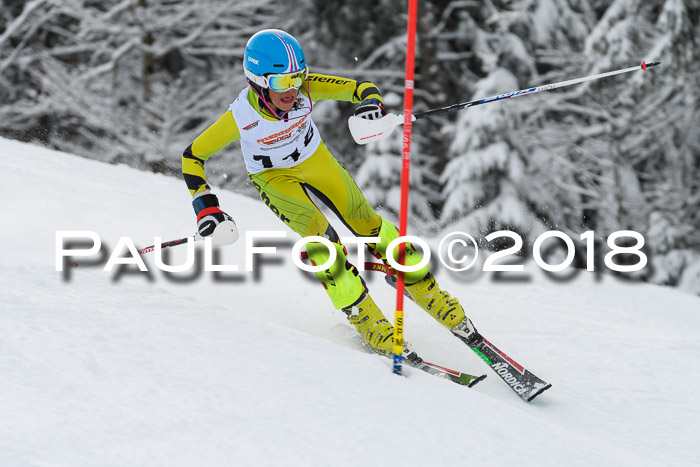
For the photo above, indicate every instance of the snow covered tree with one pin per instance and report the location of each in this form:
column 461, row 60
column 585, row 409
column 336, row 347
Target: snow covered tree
column 493, row 179
column 664, row 145
column 125, row 80
column 636, row 166
column 605, row 155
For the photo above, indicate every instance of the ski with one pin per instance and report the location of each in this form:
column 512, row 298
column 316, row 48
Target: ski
column 413, row 360
column 525, row 384
column 517, row 377
column 464, row 379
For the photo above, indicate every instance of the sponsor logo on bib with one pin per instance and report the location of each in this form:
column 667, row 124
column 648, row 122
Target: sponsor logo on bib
column 293, row 130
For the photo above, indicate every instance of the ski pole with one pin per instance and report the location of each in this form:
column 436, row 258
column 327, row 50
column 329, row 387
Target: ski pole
column 522, row 92
column 364, row 131
column 177, row 242
column 149, row 249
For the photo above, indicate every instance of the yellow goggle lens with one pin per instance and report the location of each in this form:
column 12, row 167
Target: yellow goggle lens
column 285, row 82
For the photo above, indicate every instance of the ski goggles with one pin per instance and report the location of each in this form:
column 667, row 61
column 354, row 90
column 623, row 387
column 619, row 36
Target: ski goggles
column 286, row 81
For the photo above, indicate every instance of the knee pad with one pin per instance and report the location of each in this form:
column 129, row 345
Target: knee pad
column 388, row 233
column 342, row 280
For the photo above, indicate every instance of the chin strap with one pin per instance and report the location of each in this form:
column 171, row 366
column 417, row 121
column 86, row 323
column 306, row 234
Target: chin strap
column 261, row 97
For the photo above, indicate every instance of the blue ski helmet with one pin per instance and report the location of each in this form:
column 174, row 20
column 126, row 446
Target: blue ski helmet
column 272, row 51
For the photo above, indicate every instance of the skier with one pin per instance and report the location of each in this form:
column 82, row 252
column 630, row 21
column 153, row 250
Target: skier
column 286, row 161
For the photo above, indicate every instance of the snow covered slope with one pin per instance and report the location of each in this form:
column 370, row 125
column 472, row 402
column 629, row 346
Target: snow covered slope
column 144, row 370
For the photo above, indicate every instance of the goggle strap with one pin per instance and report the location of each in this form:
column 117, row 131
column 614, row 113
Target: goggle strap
column 259, row 80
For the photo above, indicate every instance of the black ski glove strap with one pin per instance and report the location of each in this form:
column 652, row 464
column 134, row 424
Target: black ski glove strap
column 206, row 201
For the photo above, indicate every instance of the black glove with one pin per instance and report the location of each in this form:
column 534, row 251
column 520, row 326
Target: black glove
column 208, row 214
column 371, row 109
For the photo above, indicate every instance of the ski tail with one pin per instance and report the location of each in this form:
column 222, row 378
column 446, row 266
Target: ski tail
column 412, row 359
column 525, row 384
column 464, row 379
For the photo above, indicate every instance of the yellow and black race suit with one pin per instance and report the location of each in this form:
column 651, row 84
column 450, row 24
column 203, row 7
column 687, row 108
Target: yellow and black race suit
column 285, row 190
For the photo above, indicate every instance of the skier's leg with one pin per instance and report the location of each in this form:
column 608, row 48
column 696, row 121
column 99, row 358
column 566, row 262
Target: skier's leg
column 349, row 293
column 389, row 233
column 422, row 285
column 328, row 180
column 334, row 185
column 282, row 191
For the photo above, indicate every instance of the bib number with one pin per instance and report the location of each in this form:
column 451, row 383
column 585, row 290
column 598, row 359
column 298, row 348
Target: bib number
column 267, row 160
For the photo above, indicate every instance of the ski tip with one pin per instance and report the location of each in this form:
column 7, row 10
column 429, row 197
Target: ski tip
column 532, row 396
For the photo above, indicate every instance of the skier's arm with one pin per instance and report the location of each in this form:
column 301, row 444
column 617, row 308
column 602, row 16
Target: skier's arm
column 206, row 205
column 219, row 135
column 341, row 89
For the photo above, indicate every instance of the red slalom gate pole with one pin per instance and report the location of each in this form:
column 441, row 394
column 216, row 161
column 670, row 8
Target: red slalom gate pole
column 406, row 164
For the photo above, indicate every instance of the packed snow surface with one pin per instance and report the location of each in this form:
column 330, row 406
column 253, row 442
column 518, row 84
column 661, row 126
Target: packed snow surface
column 150, row 369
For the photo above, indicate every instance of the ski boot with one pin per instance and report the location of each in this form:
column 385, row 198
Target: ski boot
column 438, row 303
column 348, row 292
column 376, row 330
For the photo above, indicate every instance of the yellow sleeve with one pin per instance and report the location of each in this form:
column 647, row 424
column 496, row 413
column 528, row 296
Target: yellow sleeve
column 341, row 89
column 219, row 135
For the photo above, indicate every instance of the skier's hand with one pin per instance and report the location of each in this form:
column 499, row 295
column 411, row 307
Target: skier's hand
column 370, row 109
column 208, row 214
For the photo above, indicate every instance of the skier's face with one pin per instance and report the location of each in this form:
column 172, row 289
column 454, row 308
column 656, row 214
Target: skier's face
column 284, row 101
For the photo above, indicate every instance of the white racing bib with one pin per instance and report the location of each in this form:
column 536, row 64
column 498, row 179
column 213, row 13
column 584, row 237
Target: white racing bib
column 274, row 144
